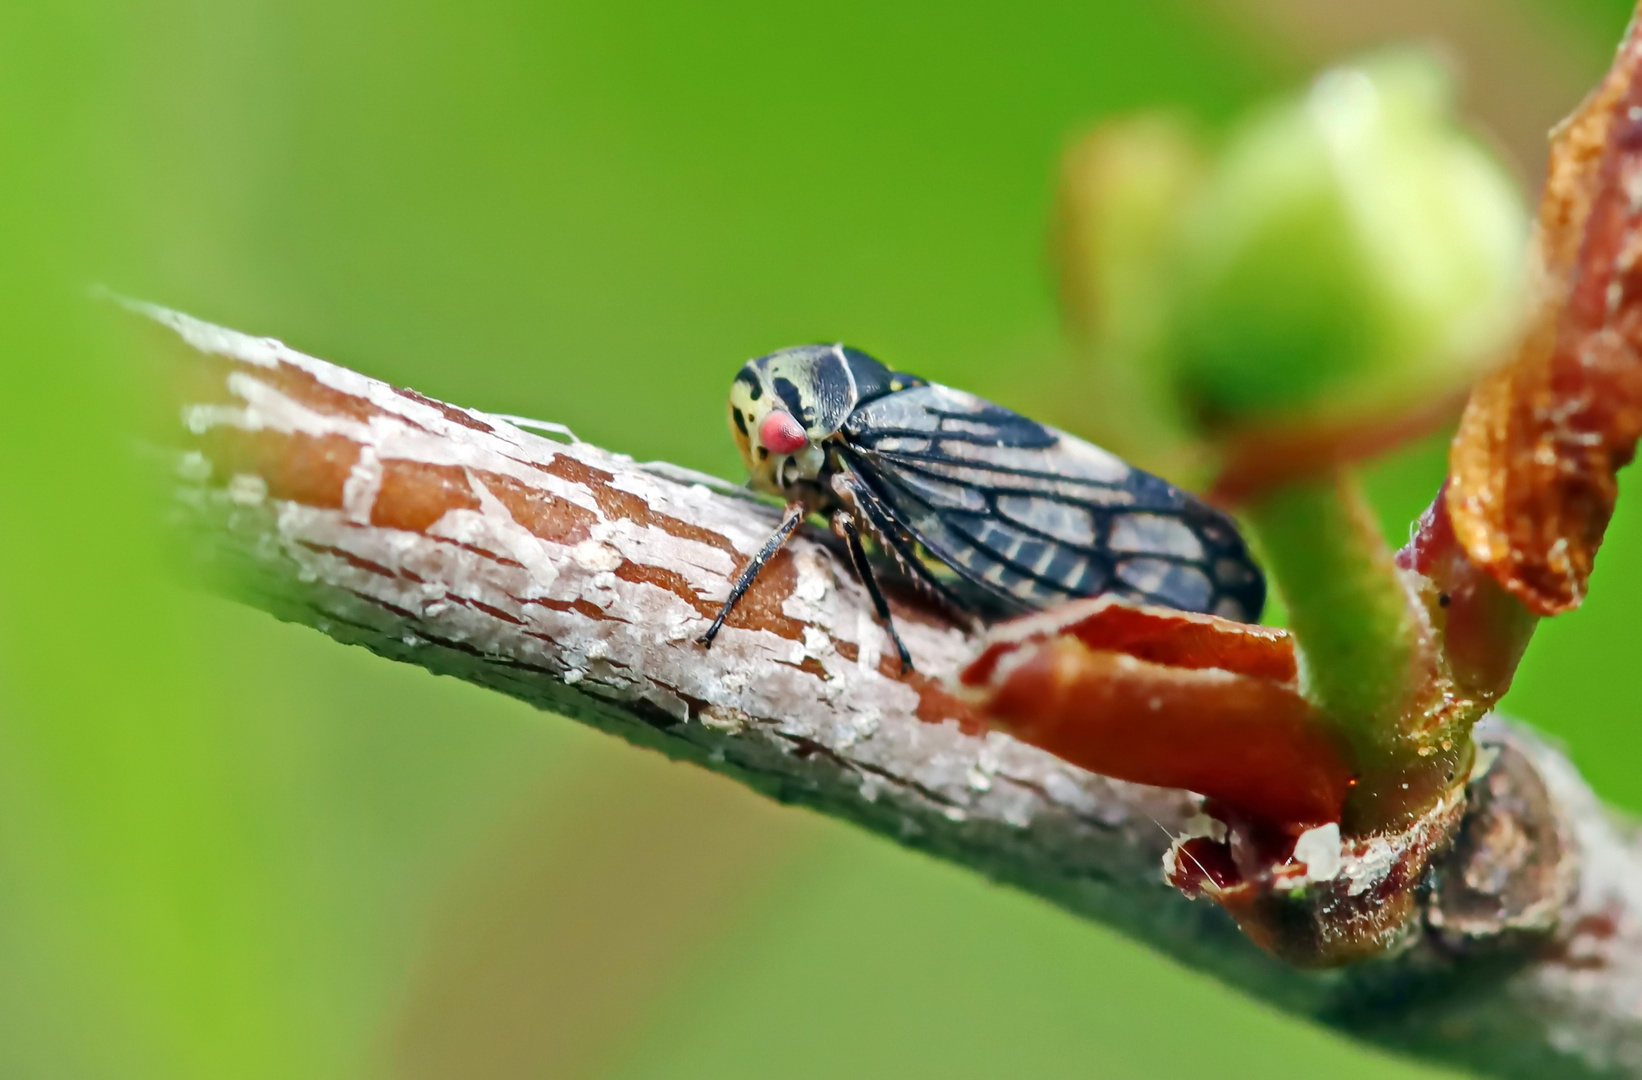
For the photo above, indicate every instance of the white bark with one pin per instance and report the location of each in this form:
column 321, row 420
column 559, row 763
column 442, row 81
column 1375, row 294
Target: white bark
column 576, row 580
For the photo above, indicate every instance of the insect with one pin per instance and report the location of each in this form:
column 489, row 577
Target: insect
column 990, row 514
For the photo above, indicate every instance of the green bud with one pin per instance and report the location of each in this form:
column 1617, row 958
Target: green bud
column 1352, row 254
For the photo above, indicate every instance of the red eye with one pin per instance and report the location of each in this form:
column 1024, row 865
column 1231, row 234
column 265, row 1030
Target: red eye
column 780, row 433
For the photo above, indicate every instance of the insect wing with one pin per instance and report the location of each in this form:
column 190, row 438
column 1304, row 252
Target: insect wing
column 1030, row 516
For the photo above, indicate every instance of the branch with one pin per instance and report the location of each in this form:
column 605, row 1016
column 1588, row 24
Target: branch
column 574, row 579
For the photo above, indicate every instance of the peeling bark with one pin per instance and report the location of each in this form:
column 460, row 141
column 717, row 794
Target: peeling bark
column 576, row 580
column 1534, row 464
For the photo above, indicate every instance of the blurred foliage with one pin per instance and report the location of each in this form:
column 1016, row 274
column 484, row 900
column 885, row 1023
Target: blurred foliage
column 232, row 848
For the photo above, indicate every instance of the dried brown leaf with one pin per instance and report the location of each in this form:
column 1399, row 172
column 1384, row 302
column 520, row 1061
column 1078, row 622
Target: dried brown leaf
column 1167, row 698
column 1533, row 466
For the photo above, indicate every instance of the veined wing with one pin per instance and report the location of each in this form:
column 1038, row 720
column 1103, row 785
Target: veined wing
column 1032, row 517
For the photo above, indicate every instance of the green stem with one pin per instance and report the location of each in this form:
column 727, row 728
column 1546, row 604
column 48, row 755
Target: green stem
column 1368, row 659
column 1345, row 598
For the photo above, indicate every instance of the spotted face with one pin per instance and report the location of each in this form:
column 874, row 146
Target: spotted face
column 784, row 406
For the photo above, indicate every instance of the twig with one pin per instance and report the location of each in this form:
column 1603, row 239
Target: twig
column 577, row 580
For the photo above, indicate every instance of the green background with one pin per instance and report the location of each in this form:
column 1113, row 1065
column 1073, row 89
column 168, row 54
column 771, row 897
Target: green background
column 230, row 848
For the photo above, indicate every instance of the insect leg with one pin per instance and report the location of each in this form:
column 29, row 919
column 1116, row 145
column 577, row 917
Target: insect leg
column 899, row 544
column 844, row 525
column 789, row 521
